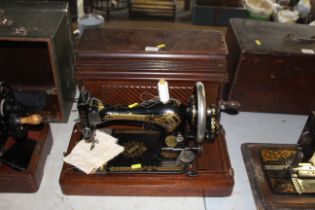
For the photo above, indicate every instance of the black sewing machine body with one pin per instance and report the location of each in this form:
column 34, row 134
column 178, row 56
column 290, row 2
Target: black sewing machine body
column 157, row 137
column 15, row 122
column 165, row 116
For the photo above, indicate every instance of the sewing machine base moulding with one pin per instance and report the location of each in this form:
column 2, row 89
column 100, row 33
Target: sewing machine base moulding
column 29, row 179
column 280, row 177
column 214, row 177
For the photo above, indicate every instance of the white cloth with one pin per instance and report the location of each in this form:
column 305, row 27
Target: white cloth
column 89, row 160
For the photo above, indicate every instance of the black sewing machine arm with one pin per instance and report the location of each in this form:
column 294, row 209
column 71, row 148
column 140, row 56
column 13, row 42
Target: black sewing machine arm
column 93, row 114
column 193, row 121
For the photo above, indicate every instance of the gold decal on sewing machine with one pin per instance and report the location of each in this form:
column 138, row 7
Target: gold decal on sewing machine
column 134, row 149
column 277, row 154
column 168, row 120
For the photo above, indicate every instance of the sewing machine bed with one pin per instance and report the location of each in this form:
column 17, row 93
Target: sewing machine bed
column 214, row 174
column 26, row 179
column 142, row 152
column 270, row 193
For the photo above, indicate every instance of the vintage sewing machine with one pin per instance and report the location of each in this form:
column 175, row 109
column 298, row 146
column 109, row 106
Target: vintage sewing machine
column 182, row 62
column 170, row 147
column 168, row 133
column 15, row 123
column 283, row 175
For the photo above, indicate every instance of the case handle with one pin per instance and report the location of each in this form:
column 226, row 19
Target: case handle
column 295, row 38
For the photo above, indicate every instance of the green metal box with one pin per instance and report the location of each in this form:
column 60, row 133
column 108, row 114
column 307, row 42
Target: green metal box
column 36, row 55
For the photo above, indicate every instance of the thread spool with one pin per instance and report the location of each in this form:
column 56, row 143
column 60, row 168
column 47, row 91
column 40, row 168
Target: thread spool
column 163, row 91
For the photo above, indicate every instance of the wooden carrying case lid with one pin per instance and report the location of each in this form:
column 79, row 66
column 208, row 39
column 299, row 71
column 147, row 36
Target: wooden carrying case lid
column 274, row 38
column 187, row 55
column 37, row 18
column 36, row 54
column 271, row 66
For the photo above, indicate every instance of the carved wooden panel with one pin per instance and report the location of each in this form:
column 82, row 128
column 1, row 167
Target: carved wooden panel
column 127, row 92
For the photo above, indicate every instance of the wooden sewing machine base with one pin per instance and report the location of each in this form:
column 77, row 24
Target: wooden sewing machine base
column 262, row 192
column 214, row 177
column 29, row 180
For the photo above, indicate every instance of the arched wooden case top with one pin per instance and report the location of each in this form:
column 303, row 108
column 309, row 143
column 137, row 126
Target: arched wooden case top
column 116, row 67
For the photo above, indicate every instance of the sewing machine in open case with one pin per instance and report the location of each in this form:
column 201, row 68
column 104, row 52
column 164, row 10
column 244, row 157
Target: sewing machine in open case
column 282, row 176
column 116, row 67
column 177, row 148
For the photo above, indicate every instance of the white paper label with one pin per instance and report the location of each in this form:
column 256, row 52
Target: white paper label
column 307, row 51
column 152, row 49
